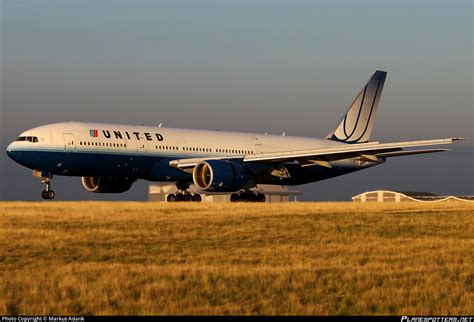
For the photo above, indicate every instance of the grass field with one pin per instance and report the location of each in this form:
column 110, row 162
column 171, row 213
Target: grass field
column 293, row 258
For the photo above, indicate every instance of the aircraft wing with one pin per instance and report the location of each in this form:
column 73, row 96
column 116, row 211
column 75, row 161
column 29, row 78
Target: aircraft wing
column 371, row 151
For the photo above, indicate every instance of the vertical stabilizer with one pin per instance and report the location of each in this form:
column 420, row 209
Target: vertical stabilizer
column 356, row 125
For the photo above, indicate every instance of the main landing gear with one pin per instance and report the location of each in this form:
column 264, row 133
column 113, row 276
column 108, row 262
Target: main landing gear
column 47, row 193
column 183, row 194
column 247, row 196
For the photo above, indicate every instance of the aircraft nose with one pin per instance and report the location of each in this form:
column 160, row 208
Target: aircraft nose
column 12, row 153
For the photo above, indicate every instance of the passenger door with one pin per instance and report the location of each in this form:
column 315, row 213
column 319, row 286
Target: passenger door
column 69, row 142
column 259, row 148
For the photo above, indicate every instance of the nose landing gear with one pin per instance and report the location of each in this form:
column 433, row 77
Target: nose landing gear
column 47, row 193
column 45, row 178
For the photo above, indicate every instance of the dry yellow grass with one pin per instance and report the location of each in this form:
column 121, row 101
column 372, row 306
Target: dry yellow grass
column 295, row 258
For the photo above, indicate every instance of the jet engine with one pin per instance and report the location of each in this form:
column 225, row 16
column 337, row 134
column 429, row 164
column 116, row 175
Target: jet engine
column 107, row 185
column 219, row 176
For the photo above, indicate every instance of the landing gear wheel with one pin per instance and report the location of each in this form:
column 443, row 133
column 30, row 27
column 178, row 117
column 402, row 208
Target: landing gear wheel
column 196, row 197
column 44, row 194
column 247, row 196
column 179, row 196
column 187, row 197
column 48, row 194
column 260, row 197
column 51, row 194
column 235, row 197
column 171, row 198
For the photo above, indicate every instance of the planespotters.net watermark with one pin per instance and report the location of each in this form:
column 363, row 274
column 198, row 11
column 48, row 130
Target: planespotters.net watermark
column 437, row 319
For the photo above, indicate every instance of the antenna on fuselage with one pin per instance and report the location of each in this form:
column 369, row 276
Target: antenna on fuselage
column 159, row 125
column 283, row 134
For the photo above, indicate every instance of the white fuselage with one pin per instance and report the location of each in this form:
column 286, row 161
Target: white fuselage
column 157, row 141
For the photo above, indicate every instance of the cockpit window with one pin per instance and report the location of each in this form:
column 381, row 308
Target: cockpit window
column 32, row 139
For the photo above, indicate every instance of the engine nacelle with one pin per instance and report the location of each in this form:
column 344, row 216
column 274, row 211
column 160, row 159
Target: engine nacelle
column 219, row 176
column 106, row 185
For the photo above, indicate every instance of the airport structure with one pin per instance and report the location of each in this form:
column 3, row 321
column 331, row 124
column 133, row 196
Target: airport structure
column 406, row 196
column 160, row 192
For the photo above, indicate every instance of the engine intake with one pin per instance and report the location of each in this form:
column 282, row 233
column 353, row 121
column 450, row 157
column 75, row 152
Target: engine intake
column 106, row 185
column 219, row 176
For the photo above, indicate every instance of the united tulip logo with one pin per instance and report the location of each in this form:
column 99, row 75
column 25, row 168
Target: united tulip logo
column 94, row 133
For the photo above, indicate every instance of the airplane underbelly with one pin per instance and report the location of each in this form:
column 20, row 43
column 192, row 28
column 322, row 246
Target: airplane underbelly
column 89, row 164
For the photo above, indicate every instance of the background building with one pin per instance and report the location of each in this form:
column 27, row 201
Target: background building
column 405, row 196
column 159, row 192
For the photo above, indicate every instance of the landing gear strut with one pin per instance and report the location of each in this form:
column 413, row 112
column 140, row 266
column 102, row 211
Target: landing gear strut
column 183, row 194
column 247, row 196
column 47, row 193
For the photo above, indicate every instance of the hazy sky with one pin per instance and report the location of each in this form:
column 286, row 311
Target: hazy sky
column 260, row 66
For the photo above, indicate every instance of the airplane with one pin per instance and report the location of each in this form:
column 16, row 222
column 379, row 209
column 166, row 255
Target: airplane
column 111, row 157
